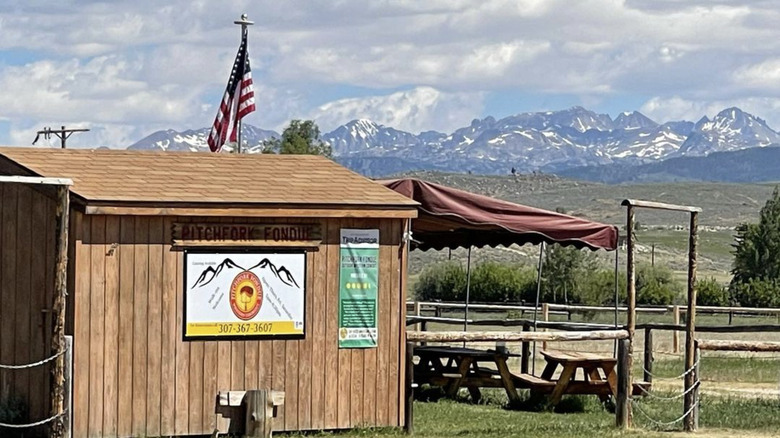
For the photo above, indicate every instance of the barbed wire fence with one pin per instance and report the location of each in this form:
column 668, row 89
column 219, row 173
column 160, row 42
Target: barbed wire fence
column 69, row 379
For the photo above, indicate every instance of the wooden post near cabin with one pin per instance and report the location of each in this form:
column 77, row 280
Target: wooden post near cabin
column 525, row 354
column 259, row 419
column 648, row 362
column 690, row 325
column 58, row 345
column 409, row 418
column 631, row 311
column 622, row 402
column 417, row 314
column 675, row 333
column 545, row 318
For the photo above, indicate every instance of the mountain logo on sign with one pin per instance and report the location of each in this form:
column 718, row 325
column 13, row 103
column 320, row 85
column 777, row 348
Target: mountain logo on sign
column 209, row 274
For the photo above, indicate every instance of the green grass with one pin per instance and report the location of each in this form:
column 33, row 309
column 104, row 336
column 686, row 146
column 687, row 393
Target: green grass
column 447, row 418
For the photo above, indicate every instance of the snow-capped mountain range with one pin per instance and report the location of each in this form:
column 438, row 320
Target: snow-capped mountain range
column 548, row 141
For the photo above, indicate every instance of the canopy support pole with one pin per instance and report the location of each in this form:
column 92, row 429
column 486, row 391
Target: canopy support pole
column 617, row 292
column 468, row 293
column 536, row 305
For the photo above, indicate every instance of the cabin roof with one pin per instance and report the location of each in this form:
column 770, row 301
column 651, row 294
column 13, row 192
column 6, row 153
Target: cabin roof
column 111, row 176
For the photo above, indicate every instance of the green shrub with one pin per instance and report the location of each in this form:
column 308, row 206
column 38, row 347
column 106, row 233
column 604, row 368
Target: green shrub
column 443, row 281
column 490, row 282
column 757, row 293
column 597, row 288
column 711, row 293
column 496, row 282
column 655, row 286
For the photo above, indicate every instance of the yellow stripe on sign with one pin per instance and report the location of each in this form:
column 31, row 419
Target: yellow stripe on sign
column 242, row 328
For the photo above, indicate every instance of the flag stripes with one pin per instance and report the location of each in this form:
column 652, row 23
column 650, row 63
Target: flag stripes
column 238, row 101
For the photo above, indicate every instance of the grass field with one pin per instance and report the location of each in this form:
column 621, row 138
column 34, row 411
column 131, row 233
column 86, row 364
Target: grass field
column 740, row 394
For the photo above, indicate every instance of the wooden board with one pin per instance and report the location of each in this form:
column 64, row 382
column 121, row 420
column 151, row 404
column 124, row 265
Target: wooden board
column 126, row 253
column 140, row 324
column 81, row 343
column 170, row 333
column 111, row 327
column 154, row 326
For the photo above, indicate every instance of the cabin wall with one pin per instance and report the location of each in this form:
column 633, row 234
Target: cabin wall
column 27, row 254
column 135, row 376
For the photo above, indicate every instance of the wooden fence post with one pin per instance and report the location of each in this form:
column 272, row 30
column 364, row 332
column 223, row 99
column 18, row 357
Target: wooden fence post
column 675, row 333
column 417, row 314
column 622, row 401
column 409, row 412
column 648, row 362
column 545, row 318
column 525, row 356
column 57, row 396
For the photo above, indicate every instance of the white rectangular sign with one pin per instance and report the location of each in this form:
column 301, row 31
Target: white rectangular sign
column 229, row 294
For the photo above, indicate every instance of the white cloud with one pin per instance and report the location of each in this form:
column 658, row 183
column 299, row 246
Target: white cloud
column 679, row 108
column 419, row 109
column 139, row 64
column 763, row 75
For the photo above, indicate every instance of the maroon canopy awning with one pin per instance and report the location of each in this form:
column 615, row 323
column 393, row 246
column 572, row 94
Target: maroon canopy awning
column 452, row 218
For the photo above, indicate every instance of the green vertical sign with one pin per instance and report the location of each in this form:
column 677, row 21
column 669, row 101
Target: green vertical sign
column 358, row 277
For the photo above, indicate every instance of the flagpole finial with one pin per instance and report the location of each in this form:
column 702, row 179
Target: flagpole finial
column 244, row 21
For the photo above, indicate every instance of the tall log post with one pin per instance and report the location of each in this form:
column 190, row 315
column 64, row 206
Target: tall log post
column 690, row 325
column 631, row 303
column 622, row 401
column 58, row 345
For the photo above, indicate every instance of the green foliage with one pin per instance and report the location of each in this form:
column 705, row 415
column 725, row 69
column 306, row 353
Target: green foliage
column 757, row 247
column 757, row 292
column 597, row 288
column 301, row 137
column 655, row 286
column 490, row 282
column 563, row 269
column 496, row 282
column 711, row 293
column 443, row 281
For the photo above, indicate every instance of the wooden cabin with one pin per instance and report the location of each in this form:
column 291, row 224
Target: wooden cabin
column 144, row 361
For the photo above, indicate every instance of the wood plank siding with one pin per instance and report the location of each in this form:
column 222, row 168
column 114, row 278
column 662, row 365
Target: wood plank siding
column 26, row 294
column 134, row 373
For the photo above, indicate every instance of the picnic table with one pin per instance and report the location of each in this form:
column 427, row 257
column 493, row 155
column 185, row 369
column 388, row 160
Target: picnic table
column 454, row 368
column 599, row 376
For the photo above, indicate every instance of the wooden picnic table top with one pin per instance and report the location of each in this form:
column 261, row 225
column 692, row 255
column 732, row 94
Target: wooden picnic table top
column 577, row 357
column 444, row 351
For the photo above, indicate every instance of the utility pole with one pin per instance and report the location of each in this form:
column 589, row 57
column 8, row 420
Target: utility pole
column 244, row 22
column 62, row 134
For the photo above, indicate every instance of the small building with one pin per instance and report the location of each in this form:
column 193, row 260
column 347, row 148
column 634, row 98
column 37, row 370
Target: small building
column 192, row 273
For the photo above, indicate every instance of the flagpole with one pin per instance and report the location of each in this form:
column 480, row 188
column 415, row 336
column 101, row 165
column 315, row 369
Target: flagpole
column 244, row 22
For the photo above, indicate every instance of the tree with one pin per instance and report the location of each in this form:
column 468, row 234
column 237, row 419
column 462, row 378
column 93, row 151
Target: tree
column 757, row 246
column 301, row 137
column 562, row 268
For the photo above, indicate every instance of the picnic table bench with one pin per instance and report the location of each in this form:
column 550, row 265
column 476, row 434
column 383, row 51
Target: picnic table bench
column 455, row 368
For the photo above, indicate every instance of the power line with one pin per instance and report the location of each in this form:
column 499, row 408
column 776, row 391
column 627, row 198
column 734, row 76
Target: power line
column 62, row 134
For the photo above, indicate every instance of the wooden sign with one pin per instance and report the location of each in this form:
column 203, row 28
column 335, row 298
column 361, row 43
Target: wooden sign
column 220, row 234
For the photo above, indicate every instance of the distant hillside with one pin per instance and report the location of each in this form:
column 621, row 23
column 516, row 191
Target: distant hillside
column 748, row 165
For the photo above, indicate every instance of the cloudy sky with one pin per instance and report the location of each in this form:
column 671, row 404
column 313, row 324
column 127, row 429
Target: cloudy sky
column 128, row 68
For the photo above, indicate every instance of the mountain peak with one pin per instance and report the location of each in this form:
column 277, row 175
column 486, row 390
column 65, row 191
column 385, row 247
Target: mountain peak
column 633, row 120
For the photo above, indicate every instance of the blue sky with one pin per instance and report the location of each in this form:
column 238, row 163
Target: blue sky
column 126, row 69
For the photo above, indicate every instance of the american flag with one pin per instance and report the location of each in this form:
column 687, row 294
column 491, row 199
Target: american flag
column 239, row 100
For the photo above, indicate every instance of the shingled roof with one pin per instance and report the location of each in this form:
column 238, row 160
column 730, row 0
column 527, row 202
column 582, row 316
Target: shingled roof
column 112, row 177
